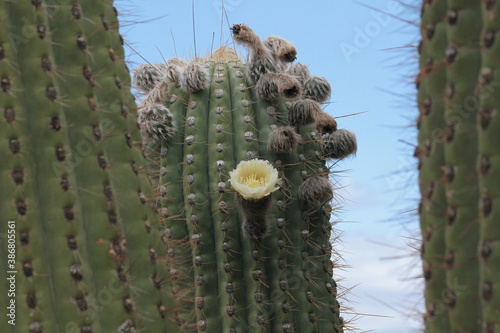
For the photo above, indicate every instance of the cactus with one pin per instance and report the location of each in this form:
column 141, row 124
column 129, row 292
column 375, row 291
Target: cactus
column 127, row 222
column 247, row 252
column 457, row 149
column 72, row 175
column 489, row 154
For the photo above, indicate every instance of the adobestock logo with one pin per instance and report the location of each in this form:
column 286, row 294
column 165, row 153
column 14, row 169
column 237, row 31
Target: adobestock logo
column 363, row 36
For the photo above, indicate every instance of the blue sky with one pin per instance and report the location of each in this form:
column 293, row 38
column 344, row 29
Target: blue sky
column 364, row 54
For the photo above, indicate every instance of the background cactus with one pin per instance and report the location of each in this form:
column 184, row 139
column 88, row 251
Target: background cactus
column 72, row 174
column 457, row 147
column 227, row 277
column 69, row 130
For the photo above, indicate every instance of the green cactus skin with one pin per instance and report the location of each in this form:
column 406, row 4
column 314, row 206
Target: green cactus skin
column 38, row 103
column 470, row 141
column 430, row 152
column 19, row 191
column 177, row 239
column 489, row 157
column 98, row 250
column 461, row 147
column 88, row 250
column 147, row 269
column 315, row 227
column 279, row 223
column 232, row 283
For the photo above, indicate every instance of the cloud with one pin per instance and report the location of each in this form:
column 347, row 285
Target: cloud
column 385, row 294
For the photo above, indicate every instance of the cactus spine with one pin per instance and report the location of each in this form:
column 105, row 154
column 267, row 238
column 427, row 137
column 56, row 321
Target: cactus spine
column 243, row 265
column 456, row 150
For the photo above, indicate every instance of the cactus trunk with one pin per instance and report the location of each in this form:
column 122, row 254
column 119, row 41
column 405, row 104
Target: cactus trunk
column 74, row 178
column 460, row 112
column 430, row 152
column 243, row 261
column 118, row 232
column 227, row 281
column 489, row 177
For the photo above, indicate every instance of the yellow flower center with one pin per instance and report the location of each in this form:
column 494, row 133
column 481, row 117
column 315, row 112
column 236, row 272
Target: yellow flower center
column 252, row 181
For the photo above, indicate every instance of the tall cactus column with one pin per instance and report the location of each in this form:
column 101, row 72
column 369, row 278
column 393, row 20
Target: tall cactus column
column 20, row 193
column 430, row 152
column 174, row 223
column 489, row 177
column 470, row 141
column 219, row 133
column 461, row 147
column 245, row 142
column 87, row 240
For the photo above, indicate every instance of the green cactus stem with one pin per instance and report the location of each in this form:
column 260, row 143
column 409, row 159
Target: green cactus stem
column 98, row 249
column 256, row 264
column 88, row 242
column 488, row 122
column 463, row 61
column 430, row 152
column 456, row 84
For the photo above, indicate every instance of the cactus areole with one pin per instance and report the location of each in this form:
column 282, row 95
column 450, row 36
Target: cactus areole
column 238, row 154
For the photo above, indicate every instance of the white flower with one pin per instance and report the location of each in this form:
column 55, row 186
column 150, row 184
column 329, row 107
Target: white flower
column 254, row 179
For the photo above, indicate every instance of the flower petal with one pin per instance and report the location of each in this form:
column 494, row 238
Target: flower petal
column 251, row 171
